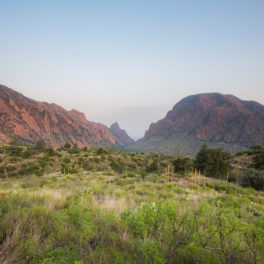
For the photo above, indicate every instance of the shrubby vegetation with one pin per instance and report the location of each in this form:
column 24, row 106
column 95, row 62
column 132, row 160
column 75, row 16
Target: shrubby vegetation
column 213, row 162
column 76, row 205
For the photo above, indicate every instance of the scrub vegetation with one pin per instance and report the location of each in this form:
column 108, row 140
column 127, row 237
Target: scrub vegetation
column 78, row 205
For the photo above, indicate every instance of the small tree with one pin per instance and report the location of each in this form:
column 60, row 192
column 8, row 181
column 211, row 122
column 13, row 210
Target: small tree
column 213, row 162
column 201, row 159
column 218, row 163
column 258, row 159
column 182, row 165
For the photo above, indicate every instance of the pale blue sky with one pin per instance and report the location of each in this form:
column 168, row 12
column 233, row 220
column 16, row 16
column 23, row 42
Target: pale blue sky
column 131, row 61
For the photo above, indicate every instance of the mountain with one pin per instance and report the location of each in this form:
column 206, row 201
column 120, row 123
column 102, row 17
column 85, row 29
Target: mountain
column 28, row 121
column 215, row 119
column 121, row 135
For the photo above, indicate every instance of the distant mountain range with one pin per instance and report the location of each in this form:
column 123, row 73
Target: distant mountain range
column 28, row 121
column 212, row 118
column 218, row 120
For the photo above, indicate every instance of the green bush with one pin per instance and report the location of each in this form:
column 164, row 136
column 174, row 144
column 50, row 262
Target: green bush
column 182, row 165
column 252, row 178
column 214, row 163
column 13, row 150
column 66, row 160
column 153, row 167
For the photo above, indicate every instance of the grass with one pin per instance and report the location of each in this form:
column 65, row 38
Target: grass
column 100, row 214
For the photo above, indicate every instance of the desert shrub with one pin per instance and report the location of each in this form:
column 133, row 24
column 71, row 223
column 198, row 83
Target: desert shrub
column 258, row 159
column 74, row 151
column 46, row 159
column 182, row 165
column 66, row 160
column 85, row 149
column 10, row 168
column 29, row 168
column 80, row 160
column 68, row 170
column 153, row 167
column 13, row 150
column 116, row 166
column 252, row 178
column 29, row 152
column 101, row 151
column 143, row 174
column 130, row 174
column 87, row 165
column 13, row 159
column 213, row 162
column 51, row 152
column 96, row 160
column 67, row 145
column 42, row 163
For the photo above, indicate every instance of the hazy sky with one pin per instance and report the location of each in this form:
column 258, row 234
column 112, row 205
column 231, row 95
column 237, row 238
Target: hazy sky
column 131, row 61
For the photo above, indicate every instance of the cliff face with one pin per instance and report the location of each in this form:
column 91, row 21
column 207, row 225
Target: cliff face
column 28, row 121
column 211, row 118
column 122, row 137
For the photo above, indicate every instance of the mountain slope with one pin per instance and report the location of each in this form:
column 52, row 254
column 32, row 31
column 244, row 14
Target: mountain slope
column 218, row 120
column 28, row 121
column 121, row 135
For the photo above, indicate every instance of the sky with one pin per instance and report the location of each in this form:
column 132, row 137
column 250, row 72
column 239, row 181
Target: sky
column 131, row 61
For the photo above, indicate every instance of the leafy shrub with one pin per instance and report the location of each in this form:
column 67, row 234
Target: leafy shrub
column 182, row 165
column 258, row 159
column 131, row 174
column 29, row 168
column 101, row 151
column 66, row 160
column 153, row 167
column 51, row 152
column 252, row 178
column 13, row 150
column 74, row 151
column 27, row 153
column 116, row 166
column 213, row 162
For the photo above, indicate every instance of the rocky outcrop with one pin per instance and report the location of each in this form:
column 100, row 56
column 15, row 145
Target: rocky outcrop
column 121, row 135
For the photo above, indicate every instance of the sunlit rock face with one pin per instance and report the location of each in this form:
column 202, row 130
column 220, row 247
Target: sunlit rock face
column 27, row 120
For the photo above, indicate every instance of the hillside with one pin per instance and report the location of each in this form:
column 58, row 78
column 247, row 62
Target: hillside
column 29, row 121
column 79, row 205
column 215, row 119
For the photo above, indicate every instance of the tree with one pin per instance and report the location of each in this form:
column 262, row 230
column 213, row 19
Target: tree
column 258, row 159
column 201, row 159
column 213, row 162
column 182, row 165
column 218, row 163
